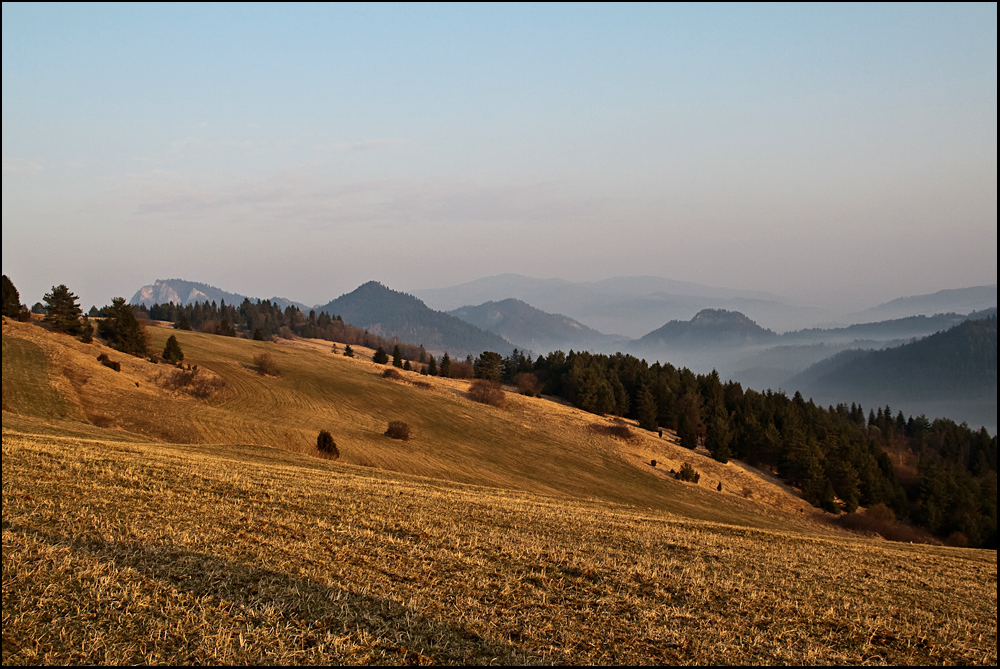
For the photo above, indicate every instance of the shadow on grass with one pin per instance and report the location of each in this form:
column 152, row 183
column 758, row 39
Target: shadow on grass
column 309, row 612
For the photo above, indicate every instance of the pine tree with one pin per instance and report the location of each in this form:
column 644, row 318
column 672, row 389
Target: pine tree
column 86, row 331
column 397, row 357
column 381, row 357
column 62, row 310
column 172, row 352
column 445, row 366
column 432, row 366
column 348, row 351
column 123, row 330
column 647, row 411
column 11, row 298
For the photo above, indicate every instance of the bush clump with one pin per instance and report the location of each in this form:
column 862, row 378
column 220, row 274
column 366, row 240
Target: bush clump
column 193, row 382
column 617, row 429
column 392, row 374
column 265, row 365
column 398, row 430
column 688, row 473
column 108, row 362
column 326, row 445
column 487, row 392
column 527, row 384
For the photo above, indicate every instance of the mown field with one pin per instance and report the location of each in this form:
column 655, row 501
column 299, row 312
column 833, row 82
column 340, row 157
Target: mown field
column 124, row 544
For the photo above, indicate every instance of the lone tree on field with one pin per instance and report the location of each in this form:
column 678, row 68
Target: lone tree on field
column 348, row 351
column 172, row 352
column 62, row 310
column 123, row 330
column 397, row 357
column 11, row 298
column 381, row 357
column 326, row 445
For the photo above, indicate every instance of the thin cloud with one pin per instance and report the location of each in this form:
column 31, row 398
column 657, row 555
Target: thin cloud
column 366, row 145
column 20, row 166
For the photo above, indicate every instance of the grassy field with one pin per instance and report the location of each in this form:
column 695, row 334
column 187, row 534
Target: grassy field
column 131, row 535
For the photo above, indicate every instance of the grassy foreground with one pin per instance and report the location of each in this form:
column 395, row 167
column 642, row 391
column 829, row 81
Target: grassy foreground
column 117, row 552
column 547, row 544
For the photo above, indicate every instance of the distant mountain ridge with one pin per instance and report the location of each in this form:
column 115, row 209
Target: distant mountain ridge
column 629, row 306
column 709, row 327
column 180, row 291
column 958, row 300
column 533, row 329
column 390, row 313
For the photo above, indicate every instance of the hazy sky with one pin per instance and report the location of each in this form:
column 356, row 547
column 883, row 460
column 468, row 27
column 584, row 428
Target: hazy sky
column 820, row 152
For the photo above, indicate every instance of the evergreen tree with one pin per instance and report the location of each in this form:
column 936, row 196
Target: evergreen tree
column 259, row 336
column 381, row 357
column 397, row 357
column 718, row 436
column 432, row 366
column 86, row 331
column 488, row 366
column 172, row 352
column 123, row 330
column 647, row 411
column 62, row 310
column 348, row 351
column 11, row 298
column 445, row 366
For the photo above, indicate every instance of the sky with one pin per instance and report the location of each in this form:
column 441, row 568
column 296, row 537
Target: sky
column 838, row 156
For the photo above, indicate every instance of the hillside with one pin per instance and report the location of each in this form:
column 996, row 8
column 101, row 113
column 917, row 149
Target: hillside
column 390, row 313
column 149, row 525
column 533, row 329
column 954, row 368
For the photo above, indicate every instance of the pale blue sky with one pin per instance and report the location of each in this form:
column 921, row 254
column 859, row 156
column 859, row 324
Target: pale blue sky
column 845, row 155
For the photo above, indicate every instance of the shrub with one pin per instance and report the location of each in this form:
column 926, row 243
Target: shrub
column 422, row 384
column 688, row 473
column 193, row 382
column 652, row 463
column 393, row 374
column 487, row 392
column 617, row 429
column 527, row 384
column 265, row 365
column 348, row 351
column 461, row 370
column 398, row 430
column 326, row 445
column 108, row 362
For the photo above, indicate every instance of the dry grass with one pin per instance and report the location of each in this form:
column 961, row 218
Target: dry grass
column 533, row 444
column 126, row 553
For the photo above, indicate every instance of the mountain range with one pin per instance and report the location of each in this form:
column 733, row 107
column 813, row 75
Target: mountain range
column 390, row 313
column 180, row 291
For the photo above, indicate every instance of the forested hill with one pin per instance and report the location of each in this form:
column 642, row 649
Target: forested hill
column 958, row 363
column 709, row 328
column 390, row 313
column 533, row 329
